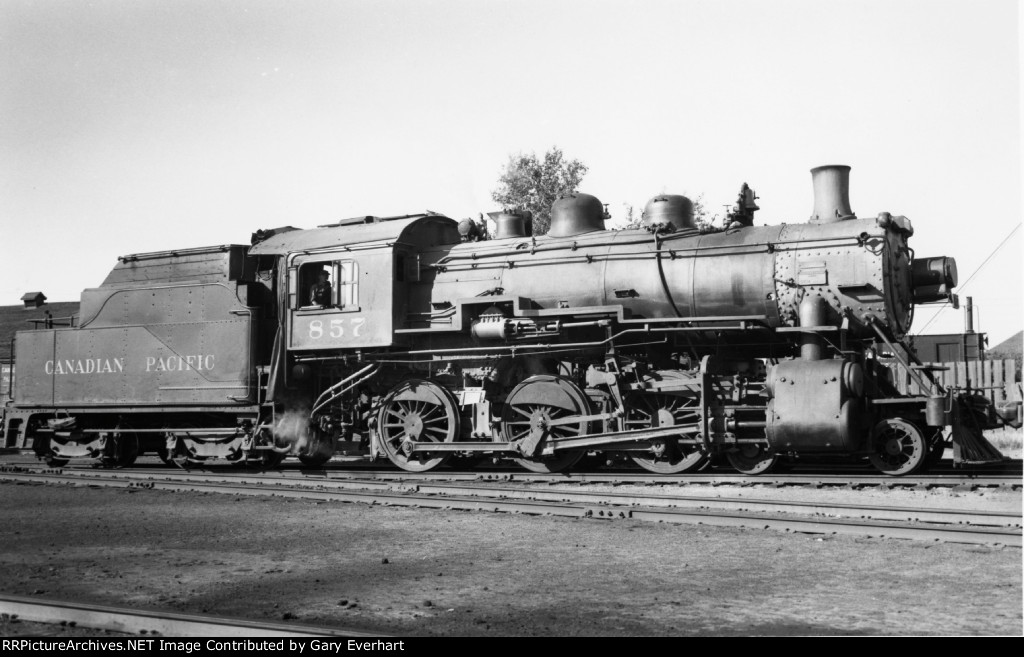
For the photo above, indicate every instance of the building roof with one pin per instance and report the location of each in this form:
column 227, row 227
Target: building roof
column 1011, row 347
column 18, row 318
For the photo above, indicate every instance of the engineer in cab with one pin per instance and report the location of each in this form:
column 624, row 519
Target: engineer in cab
column 320, row 291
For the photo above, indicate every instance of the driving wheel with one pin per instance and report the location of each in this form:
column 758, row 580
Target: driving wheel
column 659, row 410
column 417, row 411
column 536, row 411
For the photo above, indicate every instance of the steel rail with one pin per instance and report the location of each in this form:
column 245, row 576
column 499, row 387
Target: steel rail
column 359, row 494
column 848, row 478
column 877, row 529
column 968, row 480
column 858, row 526
column 151, row 622
column 878, row 512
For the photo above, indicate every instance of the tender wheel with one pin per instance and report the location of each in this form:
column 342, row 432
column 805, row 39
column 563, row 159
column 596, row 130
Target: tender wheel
column 752, row 459
column 417, row 411
column 898, row 447
column 122, row 448
column 537, row 401
column 54, row 462
column 654, row 411
column 318, row 450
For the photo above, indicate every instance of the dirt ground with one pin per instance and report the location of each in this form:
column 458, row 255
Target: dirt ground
column 424, row 572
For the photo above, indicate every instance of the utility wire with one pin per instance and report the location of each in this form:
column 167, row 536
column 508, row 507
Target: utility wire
column 985, row 262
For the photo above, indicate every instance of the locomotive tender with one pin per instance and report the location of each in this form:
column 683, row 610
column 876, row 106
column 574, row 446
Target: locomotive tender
column 666, row 345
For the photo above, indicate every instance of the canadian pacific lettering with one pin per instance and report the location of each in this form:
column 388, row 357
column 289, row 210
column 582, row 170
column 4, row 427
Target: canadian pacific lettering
column 198, row 362
column 84, row 366
column 191, row 362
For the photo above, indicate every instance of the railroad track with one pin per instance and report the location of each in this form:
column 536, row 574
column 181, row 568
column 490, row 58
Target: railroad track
column 993, row 528
column 156, row 623
column 1007, row 477
column 812, row 479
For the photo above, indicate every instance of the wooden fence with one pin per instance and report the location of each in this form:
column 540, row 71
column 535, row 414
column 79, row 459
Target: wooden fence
column 993, row 378
column 5, row 381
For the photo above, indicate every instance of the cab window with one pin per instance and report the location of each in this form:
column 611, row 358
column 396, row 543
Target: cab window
column 328, row 284
column 348, row 285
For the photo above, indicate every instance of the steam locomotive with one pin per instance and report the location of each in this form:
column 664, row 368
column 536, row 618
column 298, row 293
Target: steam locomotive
column 420, row 339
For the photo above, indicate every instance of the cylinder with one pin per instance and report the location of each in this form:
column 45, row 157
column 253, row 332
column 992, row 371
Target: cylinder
column 969, row 315
column 831, row 194
column 493, row 328
column 813, row 407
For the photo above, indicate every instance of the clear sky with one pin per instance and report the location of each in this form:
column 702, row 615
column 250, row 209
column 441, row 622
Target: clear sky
column 132, row 126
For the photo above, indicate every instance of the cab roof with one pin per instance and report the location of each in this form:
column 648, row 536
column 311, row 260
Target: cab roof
column 423, row 230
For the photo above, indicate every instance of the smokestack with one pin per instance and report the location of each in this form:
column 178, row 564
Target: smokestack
column 969, row 316
column 831, row 194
